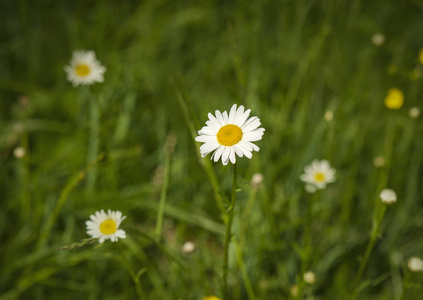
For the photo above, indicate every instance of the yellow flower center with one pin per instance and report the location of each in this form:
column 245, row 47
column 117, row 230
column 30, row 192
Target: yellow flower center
column 82, row 70
column 394, row 99
column 108, row 227
column 229, row 135
column 319, row 176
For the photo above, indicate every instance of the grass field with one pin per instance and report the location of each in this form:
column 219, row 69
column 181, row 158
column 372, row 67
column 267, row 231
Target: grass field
column 308, row 69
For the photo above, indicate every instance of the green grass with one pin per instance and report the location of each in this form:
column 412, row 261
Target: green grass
column 169, row 63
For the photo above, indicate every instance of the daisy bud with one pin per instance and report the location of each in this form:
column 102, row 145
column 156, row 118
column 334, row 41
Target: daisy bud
column 379, row 162
column 378, row 39
column 19, row 152
column 415, row 264
column 414, row 112
column 309, row 277
column 256, row 180
column 388, row 196
column 329, row 115
column 188, row 247
column 294, row 290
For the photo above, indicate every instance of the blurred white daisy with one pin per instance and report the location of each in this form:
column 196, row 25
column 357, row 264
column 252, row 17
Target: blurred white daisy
column 230, row 135
column 378, row 39
column 319, row 173
column 105, row 226
column 188, row 247
column 388, row 196
column 379, row 162
column 256, row 180
column 84, row 68
column 329, row 115
column 414, row 112
column 415, row 264
column 19, row 152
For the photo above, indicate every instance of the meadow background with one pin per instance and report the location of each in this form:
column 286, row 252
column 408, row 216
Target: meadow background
column 168, row 64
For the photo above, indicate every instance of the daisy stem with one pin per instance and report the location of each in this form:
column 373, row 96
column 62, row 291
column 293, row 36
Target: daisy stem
column 93, row 145
column 228, row 234
column 135, row 277
column 305, row 260
column 163, row 194
column 369, row 249
column 70, row 185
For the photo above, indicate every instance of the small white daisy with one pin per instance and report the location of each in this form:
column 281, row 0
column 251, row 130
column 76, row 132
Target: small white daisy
column 388, row 196
column 231, row 134
column 84, row 68
column 319, row 173
column 106, row 226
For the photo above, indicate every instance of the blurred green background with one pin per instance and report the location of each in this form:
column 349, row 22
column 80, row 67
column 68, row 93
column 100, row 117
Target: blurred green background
column 168, row 64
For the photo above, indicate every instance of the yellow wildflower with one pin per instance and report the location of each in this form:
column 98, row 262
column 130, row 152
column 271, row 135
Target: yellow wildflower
column 421, row 56
column 394, row 99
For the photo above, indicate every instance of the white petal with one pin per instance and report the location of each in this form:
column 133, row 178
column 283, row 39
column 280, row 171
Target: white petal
column 250, row 126
column 225, row 155
column 216, row 155
column 246, row 145
column 207, row 148
column 232, row 114
column 232, row 156
column 219, row 117
column 215, row 121
column 239, row 113
column 206, row 130
column 254, row 146
column 120, row 233
column 245, row 150
column 252, row 136
column 238, row 150
column 225, row 117
column 205, row 138
column 241, row 119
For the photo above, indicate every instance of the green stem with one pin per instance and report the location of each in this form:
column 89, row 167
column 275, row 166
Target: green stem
column 228, row 235
column 135, row 277
column 70, row 185
column 369, row 249
column 244, row 272
column 306, row 245
column 165, row 184
column 93, row 145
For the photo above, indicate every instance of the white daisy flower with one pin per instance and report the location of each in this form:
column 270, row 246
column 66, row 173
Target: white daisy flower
column 84, row 68
column 319, row 173
column 388, row 196
column 106, row 226
column 230, row 135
